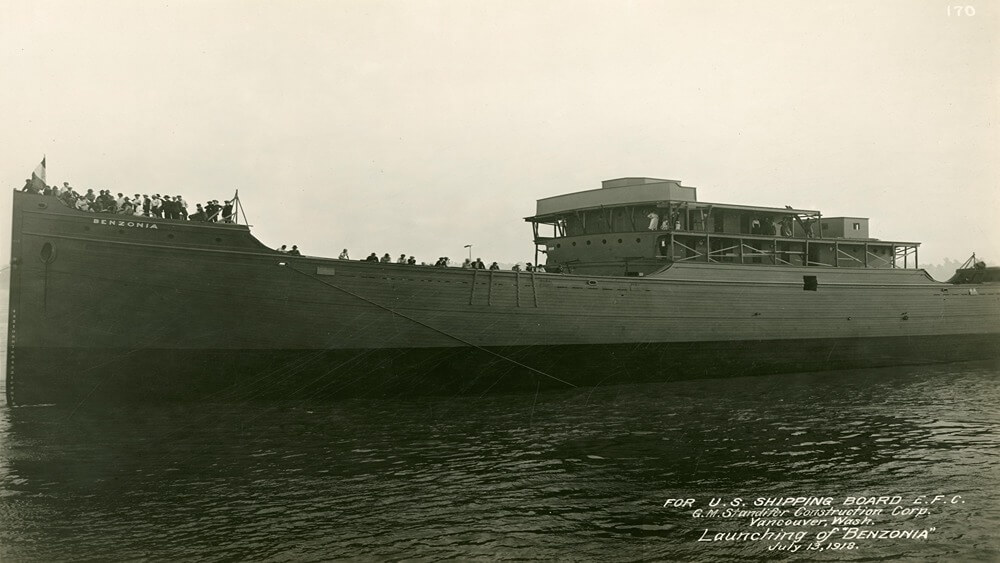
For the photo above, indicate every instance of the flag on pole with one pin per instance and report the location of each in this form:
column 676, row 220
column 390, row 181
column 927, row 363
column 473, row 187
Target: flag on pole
column 38, row 176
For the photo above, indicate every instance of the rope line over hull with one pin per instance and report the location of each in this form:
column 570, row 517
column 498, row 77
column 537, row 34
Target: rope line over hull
column 425, row 325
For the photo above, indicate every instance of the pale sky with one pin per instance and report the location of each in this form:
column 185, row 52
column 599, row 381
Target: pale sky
column 420, row 126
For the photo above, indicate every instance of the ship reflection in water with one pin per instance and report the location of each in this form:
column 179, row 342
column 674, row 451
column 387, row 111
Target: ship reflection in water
column 580, row 474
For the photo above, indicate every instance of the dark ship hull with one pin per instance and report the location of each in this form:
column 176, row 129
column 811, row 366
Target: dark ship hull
column 103, row 308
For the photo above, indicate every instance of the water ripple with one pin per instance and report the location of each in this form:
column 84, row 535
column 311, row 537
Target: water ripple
column 578, row 475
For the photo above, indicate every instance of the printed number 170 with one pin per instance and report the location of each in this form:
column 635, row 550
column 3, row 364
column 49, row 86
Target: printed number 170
column 961, row 10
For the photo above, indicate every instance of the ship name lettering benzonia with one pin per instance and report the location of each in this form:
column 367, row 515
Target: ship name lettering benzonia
column 863, row 534
column 133, row 224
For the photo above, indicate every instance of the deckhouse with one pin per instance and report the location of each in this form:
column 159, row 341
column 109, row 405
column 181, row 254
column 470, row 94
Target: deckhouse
column 636, row 226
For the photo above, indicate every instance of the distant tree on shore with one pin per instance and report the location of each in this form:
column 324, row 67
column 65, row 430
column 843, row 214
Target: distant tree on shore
column 944, row 270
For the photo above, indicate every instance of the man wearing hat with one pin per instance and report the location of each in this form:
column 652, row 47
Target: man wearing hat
column 29, row 187
column 212, row 210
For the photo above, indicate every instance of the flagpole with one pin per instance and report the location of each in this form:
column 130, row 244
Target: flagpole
column 236, row 207
column 239, row 205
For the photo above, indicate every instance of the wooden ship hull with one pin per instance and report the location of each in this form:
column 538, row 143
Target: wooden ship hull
column 105, row 308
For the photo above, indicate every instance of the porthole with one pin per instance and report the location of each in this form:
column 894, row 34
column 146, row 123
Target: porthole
column 574, row 243
column 638, row 240
column 604, row 241
column 48, row 253
column 588, row 243
column 170, row 235
column 218, row 239
column 619, row 241
column 558, row 245
column 42, row 205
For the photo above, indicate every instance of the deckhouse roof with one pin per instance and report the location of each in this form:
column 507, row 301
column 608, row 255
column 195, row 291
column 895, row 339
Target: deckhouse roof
column 621, row 192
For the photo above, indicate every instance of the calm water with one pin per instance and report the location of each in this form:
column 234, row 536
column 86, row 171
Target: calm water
column 576, row 475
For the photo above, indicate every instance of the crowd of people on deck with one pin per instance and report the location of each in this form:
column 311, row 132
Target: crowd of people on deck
column 174, row 207
column 159, row 206
column 442, row 262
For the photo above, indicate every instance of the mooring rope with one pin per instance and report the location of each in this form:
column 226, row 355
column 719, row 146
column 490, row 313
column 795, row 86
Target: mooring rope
column 425, row 325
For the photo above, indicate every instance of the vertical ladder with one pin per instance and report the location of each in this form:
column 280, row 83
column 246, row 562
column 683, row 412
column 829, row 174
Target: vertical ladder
column 517, row 287
column 534, row 289
column 472, row 294
column 489, row 293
